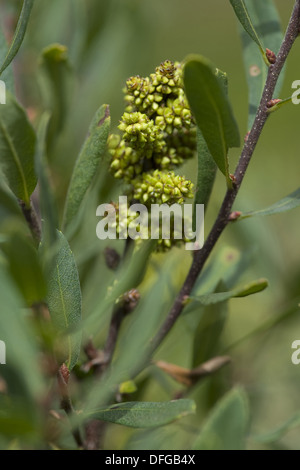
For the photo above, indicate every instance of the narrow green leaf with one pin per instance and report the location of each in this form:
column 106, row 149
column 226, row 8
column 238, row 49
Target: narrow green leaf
column 250, row 289
column 227, row 266
column 243, row 16
column 64, row 301
column 144, row 415
column 278, row 433
column 24, row 267
column 208, row 332
column 7, row 76
column 19, row 34
column 286, row 204
column 227, row 426
column 87, row 162
column 266, row 21
column 206, row 173
column 211, row 108
column 207, row 167
column 17, row 148
column 48, row 209
column 56, row 81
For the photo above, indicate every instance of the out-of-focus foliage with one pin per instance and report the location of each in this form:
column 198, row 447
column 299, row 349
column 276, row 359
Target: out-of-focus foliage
column 77, row 55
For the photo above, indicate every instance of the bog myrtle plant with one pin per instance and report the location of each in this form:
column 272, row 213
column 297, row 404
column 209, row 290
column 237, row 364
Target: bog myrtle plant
column 78, row 340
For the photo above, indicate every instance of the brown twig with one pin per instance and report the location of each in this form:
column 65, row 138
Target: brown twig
column 32, row 220
column 66, row 403
column 100, row 360
column 223, row 218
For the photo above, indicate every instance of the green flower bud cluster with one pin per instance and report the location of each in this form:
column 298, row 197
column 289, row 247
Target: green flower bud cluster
column 162, row 187
column 158, row 128
column 163, row 245
column 127, row 162
column 158, row 134
column 141, row 133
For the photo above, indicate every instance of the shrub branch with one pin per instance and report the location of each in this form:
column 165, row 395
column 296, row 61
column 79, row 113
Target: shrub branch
column 223, row 217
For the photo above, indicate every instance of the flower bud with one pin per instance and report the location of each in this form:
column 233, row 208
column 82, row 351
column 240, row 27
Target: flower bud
column 160, row 187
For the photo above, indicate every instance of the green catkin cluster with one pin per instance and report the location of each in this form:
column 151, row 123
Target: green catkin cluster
column 163, row 245
column 162, row 188
column 159, row 131
column 158, row 135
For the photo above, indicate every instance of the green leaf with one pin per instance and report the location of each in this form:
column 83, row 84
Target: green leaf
column 48, row 209
column 206, row 173
column 56, row 80
column 207, row 167
column 64, row 301
column 286, row 204
column 243, row 16
column 19, row 34
column 7, row 76
column 266, row 21
column 211, row 108
column 144, row 415
column 228, row 265
column 278, row 433
column 17, row 148
column 21, row 350
column 208, row 332
column 249, row 289
column 87, row 163
column 25, row 269
column 227, row 426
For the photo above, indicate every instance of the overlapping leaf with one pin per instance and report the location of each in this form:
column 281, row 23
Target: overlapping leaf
column 88, row 162
column 211, row 108
column 19, row 34
column 260, row 26
column 64, row 301
column 227, row 426
column 286, row 204
column 217, row 297
column 17, row 149
column 144, row 415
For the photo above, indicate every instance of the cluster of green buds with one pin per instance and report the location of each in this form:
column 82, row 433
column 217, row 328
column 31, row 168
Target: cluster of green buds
column 158, row 128
column 122, row 225
column 162, row 187
column 158, row 135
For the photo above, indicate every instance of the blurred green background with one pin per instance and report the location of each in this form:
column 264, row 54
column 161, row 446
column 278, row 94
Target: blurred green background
column 110, row 40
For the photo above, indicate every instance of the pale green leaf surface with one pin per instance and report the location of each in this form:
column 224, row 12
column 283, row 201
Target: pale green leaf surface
column 64, row 301
column 144, row 415
column 17, row 148
column 19, row 34
column 226, row 427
